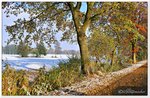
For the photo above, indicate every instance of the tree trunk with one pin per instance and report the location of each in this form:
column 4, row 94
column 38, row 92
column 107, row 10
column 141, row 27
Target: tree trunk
column 133, row 53
column 85, row 59
column 112, row 58
column 86, row 67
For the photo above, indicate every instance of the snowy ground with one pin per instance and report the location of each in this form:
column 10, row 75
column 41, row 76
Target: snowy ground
column 31, row 62
column 48, row 56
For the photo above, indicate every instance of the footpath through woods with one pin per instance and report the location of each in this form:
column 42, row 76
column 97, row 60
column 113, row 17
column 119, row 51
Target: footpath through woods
column 128, row 81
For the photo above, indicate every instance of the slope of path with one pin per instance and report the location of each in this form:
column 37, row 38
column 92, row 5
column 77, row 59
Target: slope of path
column 134, row 83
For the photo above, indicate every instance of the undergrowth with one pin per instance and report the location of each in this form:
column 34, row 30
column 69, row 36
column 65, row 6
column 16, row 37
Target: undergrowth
column 16, row 82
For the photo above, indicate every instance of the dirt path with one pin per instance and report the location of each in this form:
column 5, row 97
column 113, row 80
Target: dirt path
column 134, row 83
column 129, row 81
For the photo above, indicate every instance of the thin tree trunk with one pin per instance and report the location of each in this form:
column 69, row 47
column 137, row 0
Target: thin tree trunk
column 133, row 53
column 112, row 58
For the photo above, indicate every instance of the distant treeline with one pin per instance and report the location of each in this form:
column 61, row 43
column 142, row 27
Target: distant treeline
column 13, row 49
column 53, row 51
column 10, row 49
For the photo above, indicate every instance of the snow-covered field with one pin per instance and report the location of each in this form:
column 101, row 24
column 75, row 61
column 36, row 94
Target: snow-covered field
column 31, row 62
column 48, row 56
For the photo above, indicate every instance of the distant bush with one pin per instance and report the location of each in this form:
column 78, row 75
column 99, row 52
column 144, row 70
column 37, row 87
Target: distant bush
column 54, row 56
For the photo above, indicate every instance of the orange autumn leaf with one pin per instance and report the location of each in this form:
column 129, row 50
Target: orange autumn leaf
column 141, row 28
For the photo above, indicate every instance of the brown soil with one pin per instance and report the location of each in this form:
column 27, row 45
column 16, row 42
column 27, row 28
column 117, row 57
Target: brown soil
column 134, row 83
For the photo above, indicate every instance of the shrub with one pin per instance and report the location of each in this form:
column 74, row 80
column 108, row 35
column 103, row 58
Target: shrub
column 64, row 75
column 14, row 82
column 106, row 67
column 115, row 68
column 102, row 67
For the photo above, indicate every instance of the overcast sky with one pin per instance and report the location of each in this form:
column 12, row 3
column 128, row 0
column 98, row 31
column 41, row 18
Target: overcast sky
column 9, row 21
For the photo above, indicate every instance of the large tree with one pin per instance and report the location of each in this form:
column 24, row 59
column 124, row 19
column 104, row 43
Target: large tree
column 23, row 49
column 41, row 49
column 47, row 18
